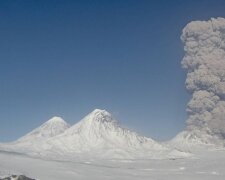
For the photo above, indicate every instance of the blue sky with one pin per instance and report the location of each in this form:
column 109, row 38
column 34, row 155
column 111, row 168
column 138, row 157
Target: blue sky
column 67, row 58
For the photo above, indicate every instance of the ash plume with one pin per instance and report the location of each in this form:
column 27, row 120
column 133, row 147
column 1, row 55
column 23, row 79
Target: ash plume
column 204, row 60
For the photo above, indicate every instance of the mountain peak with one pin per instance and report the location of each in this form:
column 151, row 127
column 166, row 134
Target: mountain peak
column 99, row 111
column 99, row 116
column 97, row 135
column 52, row 127
column 56, row 119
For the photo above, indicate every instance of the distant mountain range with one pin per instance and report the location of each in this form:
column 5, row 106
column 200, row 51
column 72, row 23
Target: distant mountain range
column 98, row 135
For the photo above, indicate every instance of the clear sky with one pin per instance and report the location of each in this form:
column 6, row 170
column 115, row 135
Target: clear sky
column 67, row 58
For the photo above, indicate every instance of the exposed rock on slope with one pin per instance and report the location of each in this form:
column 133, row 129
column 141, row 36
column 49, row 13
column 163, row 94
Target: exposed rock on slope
column 17, row 177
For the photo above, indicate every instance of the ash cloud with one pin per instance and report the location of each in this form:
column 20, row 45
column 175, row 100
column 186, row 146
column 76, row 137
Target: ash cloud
column 204, row 60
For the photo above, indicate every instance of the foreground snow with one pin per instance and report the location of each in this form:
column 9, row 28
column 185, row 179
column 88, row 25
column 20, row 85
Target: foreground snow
column 210, row 165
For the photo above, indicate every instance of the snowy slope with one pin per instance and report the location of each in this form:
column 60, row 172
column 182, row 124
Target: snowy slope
column 98, row 135
column 207, row 166
column 196, row 141
column 100, row 130
column 51, row 128
column 37, row 138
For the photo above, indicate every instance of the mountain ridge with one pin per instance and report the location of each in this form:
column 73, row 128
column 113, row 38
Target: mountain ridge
column 54, row 126
column 97, row 135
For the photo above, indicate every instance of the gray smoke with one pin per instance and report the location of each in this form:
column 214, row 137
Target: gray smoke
column 204, row 60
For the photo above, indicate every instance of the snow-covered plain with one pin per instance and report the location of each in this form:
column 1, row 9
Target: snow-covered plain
column 209, row 165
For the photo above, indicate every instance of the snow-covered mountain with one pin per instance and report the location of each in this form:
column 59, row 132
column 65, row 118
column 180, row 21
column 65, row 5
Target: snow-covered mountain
column 36, row 140
column 96, row 135
column 195, row 141
column 100, row 129
column 100, row 135
column 51, row 128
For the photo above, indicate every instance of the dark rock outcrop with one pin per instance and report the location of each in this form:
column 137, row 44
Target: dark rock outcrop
column 17, row 177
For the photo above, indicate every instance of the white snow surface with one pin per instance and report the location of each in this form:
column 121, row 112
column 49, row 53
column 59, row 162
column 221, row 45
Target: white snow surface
column 195, row 142
column 98, row 135
column 51, row 128
column 207, row 165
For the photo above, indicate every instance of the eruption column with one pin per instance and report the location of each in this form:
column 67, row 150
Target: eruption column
column 204, row 60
